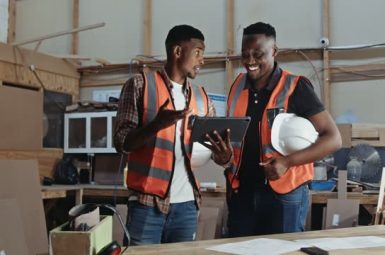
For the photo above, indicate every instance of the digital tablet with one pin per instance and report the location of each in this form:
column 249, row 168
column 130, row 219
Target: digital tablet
column 206, row 125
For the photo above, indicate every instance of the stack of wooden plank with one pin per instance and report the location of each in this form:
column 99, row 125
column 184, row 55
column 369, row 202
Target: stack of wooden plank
column 358, row 133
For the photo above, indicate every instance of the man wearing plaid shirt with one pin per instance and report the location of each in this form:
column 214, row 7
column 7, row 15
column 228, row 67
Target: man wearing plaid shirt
column 151, row 129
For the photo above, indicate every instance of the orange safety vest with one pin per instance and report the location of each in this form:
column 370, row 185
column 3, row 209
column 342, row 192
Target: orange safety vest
column 237, row 106
column 150, row 168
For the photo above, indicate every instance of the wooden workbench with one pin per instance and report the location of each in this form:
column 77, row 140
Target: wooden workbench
column 82, row 190
column 107, row 192
column 321, row 197
column 199, row 247
column 95, row 190
column 95, row 193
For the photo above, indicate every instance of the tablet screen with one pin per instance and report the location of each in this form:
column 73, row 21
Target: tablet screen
column 207, row 125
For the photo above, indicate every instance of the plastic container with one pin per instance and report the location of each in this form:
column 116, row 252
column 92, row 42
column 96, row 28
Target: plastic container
column 354, row 168
column 328, row 185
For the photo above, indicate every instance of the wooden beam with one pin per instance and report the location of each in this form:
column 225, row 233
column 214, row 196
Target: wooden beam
column 46, row 157
column 112, row 82
column 41, row 38
column 70, row 56
column 285, row 55
column 326, row 58
column 56, row 74
column 48, row 194
column 230, row 26
column 323, row 196
column 147, row 33
column 357, row 68
column 11, row 21
column 357, row 72
column 75, row 25
column 230, row 43
column 105, row 192
column 19, row 56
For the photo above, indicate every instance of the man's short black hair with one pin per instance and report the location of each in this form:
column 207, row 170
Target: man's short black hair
column 182, row 33
column 260, row 28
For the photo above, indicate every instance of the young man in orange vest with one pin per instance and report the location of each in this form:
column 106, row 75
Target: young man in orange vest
column 152, row 129
column 268, row 192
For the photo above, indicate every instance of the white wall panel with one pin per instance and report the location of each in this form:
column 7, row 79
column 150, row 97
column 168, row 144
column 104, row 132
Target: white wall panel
column 362, row 100
column 121, row 38
column 357, row 22
column 35, row 18
column 298, row 23
column 207, row 16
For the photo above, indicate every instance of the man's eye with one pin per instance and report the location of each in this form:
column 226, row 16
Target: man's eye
column 245, row 55
column 255, row 55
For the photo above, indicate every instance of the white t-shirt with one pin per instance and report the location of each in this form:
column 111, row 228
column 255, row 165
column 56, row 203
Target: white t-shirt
column 181, row 189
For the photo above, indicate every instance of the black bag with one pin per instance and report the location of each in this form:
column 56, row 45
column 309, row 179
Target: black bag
column 66, row 172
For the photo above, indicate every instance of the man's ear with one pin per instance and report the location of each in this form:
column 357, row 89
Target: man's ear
column 275, row 50
column 177, row 51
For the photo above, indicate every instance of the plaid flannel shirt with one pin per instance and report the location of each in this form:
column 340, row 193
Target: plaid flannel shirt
column 129, row 117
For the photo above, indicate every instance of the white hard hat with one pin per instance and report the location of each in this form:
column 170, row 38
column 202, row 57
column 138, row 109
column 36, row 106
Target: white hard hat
column 200, row 155
column 291, row 133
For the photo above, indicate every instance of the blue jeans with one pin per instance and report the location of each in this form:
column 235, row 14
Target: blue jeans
column 263, row 211
column 147, row 225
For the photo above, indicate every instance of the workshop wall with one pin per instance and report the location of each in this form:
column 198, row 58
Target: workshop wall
column 298, row 24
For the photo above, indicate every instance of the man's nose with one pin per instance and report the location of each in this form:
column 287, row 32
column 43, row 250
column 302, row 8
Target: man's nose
column 250, row 59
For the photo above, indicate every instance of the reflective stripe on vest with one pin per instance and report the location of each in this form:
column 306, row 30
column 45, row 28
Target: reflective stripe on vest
column 237, row 106
column 237, row 95
column 200, row 100
column 150, row 98
column 280, row 96
column 150, row 167
column 199, row 105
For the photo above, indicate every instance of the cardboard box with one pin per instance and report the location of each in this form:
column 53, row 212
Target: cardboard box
column 12, row 230
column 77, row 242
column 19, row 180
column 21, row 112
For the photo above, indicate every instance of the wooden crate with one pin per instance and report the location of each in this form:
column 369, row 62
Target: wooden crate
column 81, row 242
column 358, row 133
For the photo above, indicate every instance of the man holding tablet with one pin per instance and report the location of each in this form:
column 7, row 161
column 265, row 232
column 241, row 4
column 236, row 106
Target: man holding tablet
column 152, row 130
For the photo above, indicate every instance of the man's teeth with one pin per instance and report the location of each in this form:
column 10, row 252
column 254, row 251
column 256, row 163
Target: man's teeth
column 253, row 68
column 197, row 69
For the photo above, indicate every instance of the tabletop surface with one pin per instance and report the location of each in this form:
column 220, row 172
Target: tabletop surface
column 199, row 247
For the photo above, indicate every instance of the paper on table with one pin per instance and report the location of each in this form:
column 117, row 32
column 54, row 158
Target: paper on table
column 260, row 246
column 354, row 242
